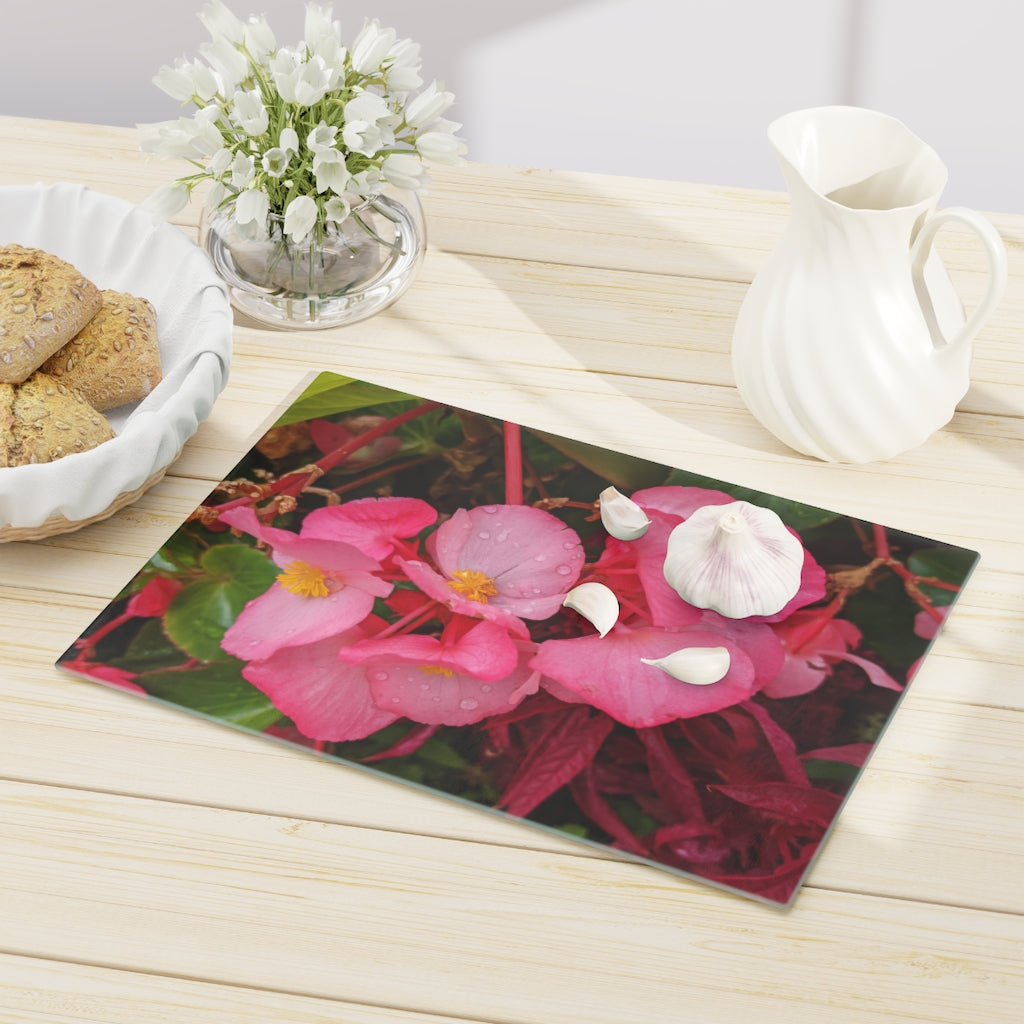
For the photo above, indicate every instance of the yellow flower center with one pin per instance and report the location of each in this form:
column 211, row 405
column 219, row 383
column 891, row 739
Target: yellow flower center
column 304, row 579
column 436, row 670
column 473, row 585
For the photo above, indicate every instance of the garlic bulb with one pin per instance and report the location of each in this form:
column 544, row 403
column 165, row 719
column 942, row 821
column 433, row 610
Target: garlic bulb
column 737, row 559
column 596, row 603
column 700, row 666
column 622, row 517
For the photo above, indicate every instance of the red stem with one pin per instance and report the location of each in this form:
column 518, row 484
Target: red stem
column 513, row 464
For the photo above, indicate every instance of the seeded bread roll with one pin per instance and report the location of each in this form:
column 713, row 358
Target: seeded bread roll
column 42, row 420
column 115, row 358
column 44, row 302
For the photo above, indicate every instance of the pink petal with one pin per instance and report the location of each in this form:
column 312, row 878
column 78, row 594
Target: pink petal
column 370, row 524
column 485, row 651
column 289, row 547
column 608, row 673
column 437, row 587
column 533, row 558
column 325, row 698
column 678, row 500
column 280, row 619
column 426, row 695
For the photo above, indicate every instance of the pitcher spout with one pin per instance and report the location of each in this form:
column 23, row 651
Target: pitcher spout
column 857, row 159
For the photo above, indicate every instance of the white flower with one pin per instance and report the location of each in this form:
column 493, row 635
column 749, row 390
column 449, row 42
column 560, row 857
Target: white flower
column 259, row 37
column 322, row 137
column 220, row 22
column 285, row 68
column 428, row 106
column 404, row 73
column 275, row 161
column 289, row 141
column 367, row 124
column 440, row 148
column 242, row 170
column 252, row 206
column 215, row 195
column 312, row 82
column 371, row 46
column 330, row 171
column 184, row 137
column 249, row 113
column 167, row 200
column 322, row 34
column 176, row 82
column 405, row 170
column 220, row 162
column 337, row 208
column 299, row 218
column 230, row 63
column 366, row 183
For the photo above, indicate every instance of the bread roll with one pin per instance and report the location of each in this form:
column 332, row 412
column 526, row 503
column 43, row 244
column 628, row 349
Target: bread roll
column 42, row 420
column 44, row 302
column 115, row 358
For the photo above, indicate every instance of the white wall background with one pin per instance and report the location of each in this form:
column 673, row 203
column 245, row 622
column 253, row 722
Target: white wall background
column 677, row 89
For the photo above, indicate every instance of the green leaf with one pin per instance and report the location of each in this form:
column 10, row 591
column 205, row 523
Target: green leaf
column 793, row 513
column 202, row 611
column 217, row 690
column 331, row 393
column 150, row 650
column 626, row 472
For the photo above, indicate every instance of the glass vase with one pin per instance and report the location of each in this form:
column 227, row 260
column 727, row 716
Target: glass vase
column 356, row 269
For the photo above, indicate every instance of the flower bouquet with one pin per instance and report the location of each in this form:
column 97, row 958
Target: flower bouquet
column 670, row 666
column 303, row 148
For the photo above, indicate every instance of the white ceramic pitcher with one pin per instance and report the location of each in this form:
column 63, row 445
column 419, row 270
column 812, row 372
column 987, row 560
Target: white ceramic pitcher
column 851, row 344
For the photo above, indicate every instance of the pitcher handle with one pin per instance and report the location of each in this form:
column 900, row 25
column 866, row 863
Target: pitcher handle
column 995, row 250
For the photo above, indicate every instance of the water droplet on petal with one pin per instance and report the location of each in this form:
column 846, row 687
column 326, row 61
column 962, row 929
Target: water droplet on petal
column 469, row 704
column 379, row 676
column 424, row 686
column 489, row 509
column 563, row 570
column 436, row 698
column 503, row 536
column 540, row 558
column 484, row 535
column 570, row 545
column 486, row 688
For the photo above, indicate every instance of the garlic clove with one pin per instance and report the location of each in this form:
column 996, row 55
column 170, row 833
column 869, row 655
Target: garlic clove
column 737, row 559
column 622, row 517
column 699, row 666
column 596, row 603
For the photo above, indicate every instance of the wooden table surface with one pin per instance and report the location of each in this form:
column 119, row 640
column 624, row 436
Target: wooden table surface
column 157, row 867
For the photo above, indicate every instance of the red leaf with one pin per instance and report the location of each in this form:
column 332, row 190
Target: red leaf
column 783, row 800
column 781, row 743
column 670, row 778
column 408, row 744
column 852, row 753
column 598, row 810
column 561, row 753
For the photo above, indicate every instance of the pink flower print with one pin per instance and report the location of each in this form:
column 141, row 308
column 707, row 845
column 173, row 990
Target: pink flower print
column 608, row 672
column 475, row 646
column 373, row 525
column 435, row 694
column 324, row 588
column 500, row 562
column 325, row 698
column 813, row 642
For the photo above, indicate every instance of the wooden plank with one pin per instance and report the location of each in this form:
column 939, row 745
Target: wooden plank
column 317, row 909
column 56, row 992
column 63, row 731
